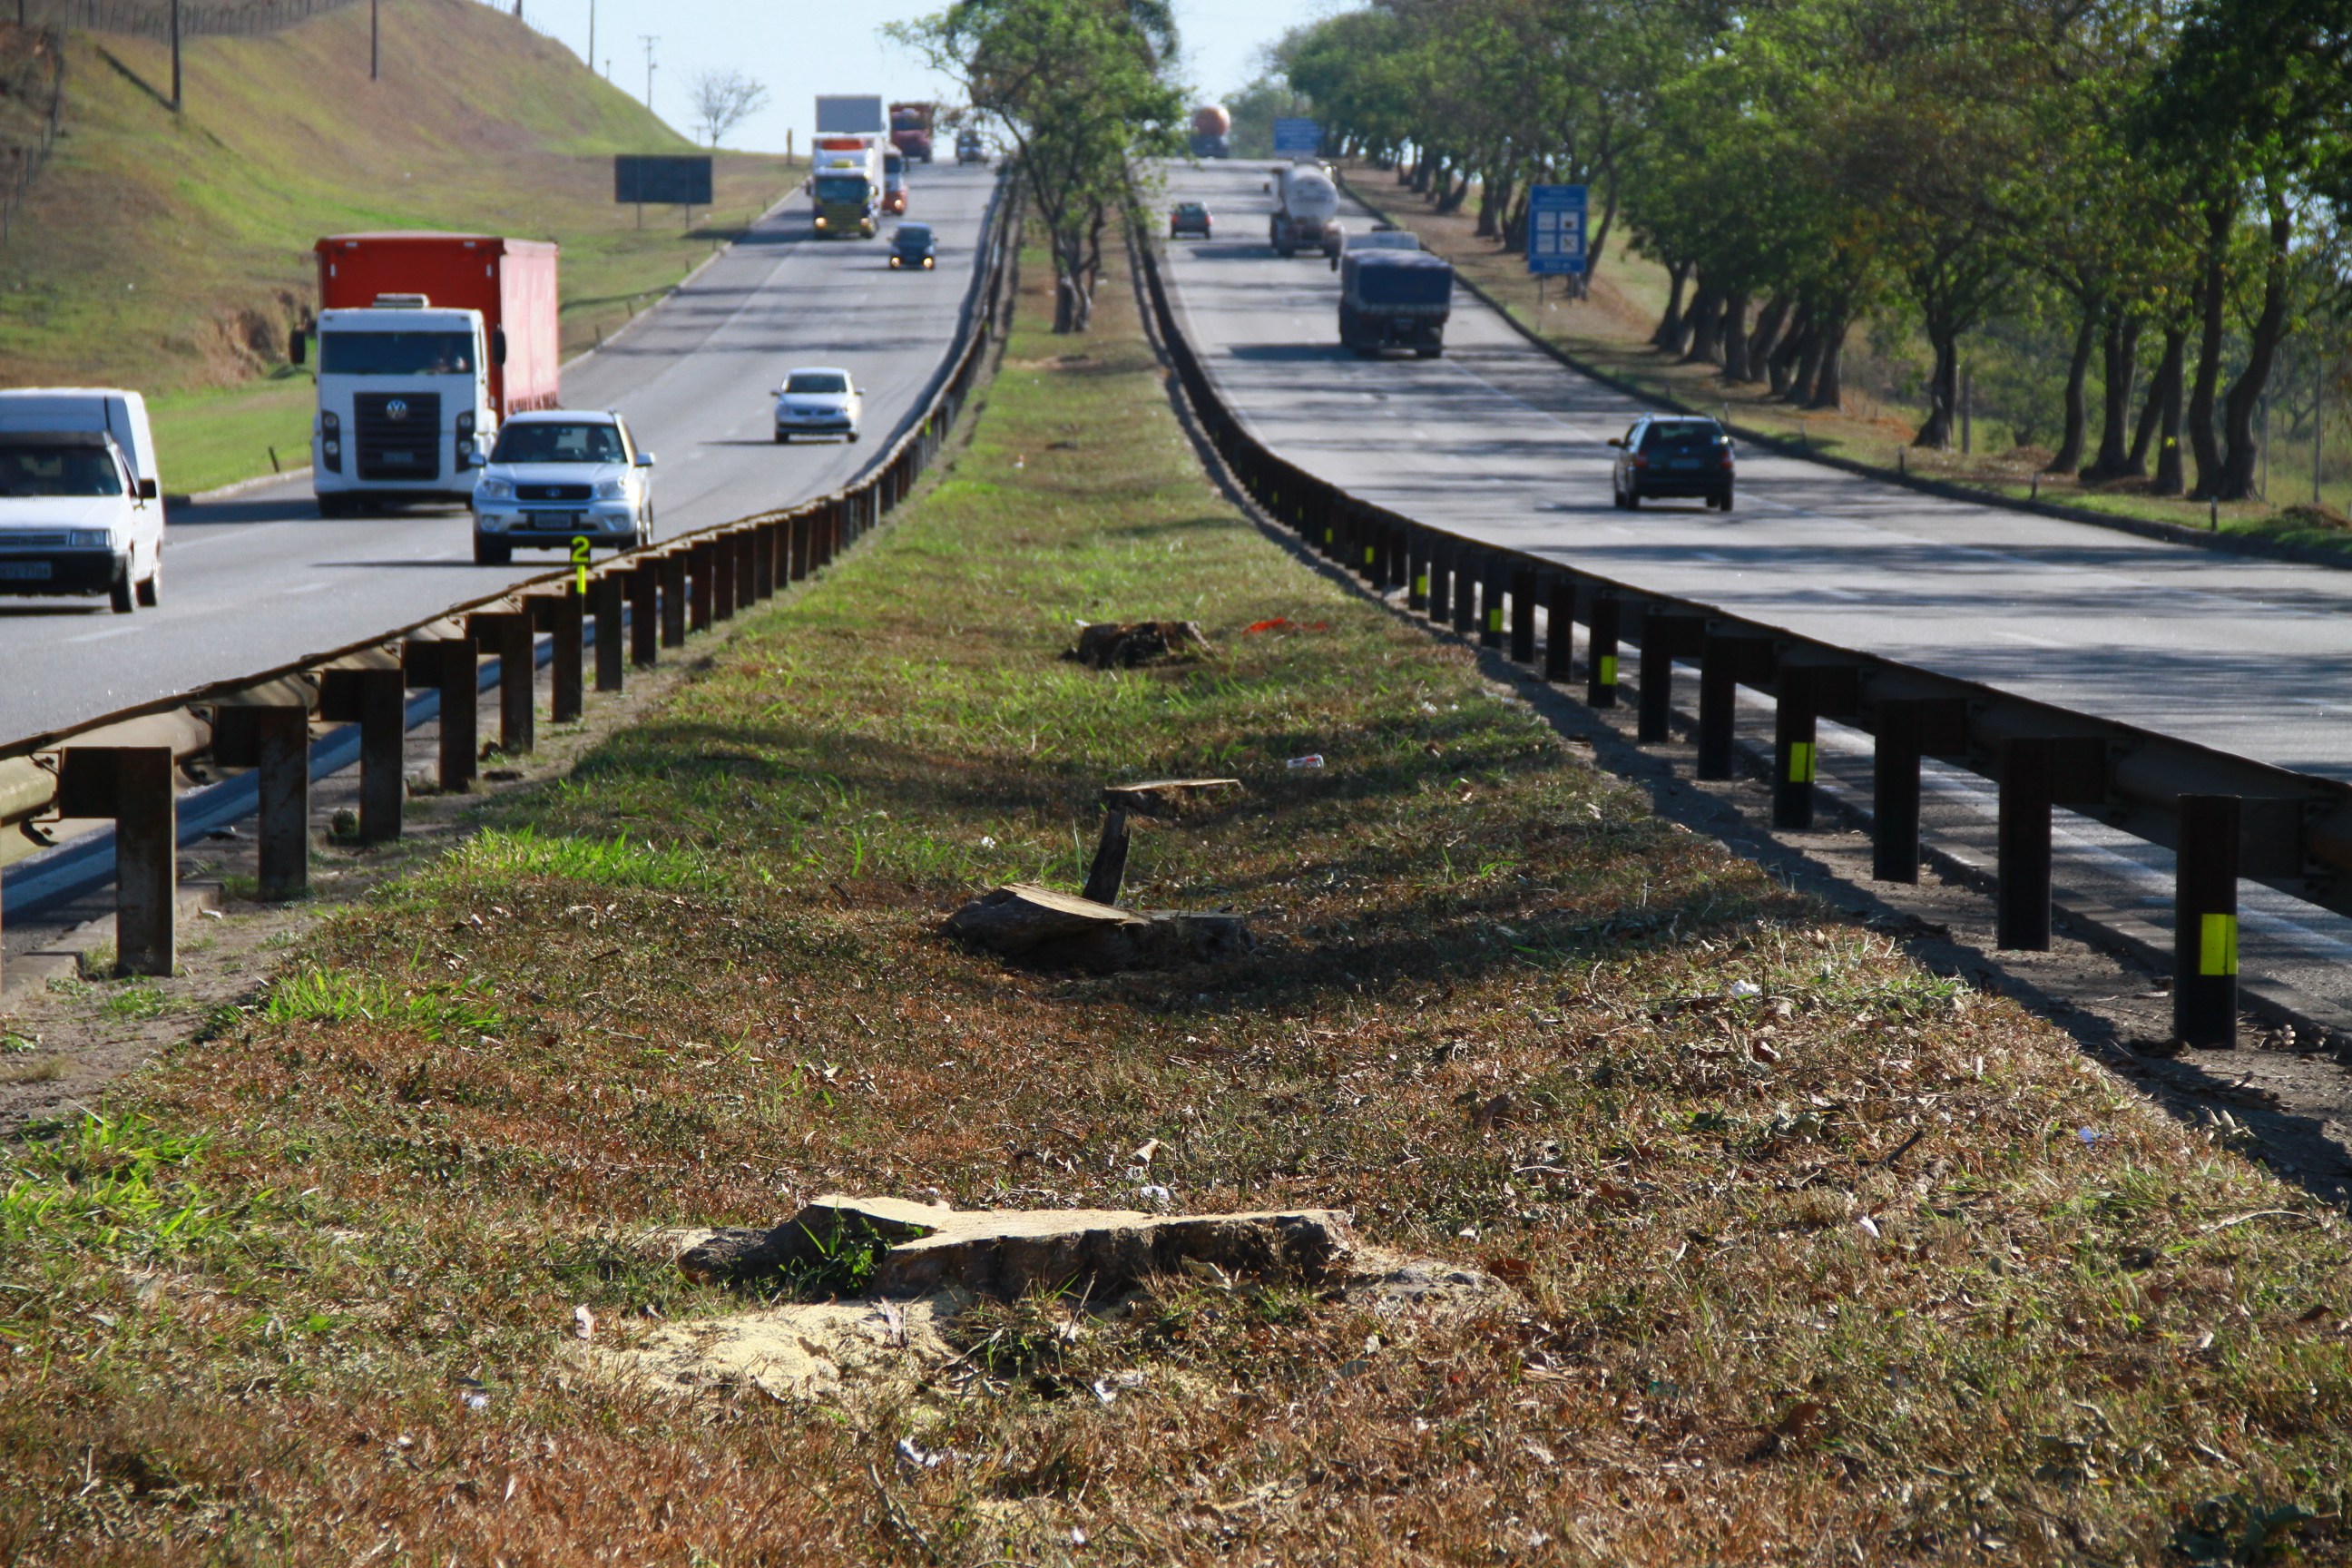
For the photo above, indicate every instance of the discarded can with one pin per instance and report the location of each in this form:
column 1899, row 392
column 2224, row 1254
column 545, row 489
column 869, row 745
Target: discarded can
column 1311, row 759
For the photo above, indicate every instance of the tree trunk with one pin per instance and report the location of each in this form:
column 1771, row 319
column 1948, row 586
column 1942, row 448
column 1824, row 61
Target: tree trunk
column 1943, row 392
column 1790, row 353
column 1766, row 335
column 1705, row 322
column 1598, row 241
column 1490, row 199
column 2261, row 351
column 1669, row 335
column 1422, row 168
column 1829, row 382
column 2069, row 455
column 2167, row 395
column 1810, row 347
column 1515, row 231
column 1733, row 332
column 2151, row 408
column 2211, row 309
column 2115, row 461
column 1451, row 200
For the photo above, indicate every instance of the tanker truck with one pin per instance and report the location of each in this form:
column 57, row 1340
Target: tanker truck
column 1306, row 210
column 1210, row 126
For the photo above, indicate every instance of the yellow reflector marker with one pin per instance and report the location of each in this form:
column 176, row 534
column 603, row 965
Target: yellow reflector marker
column 1608, row 669
column 1368, row 555
column 2217, row 946
column 1495, row 619
column 1421, row 586
column 1801, row 761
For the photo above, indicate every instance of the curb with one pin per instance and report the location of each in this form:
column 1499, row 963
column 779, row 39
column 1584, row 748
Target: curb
column 2162, row 532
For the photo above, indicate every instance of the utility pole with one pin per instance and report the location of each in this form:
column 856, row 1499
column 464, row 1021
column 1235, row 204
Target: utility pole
column 375, row 38
column 175, row 57
column 591, row 34
column 649, row 40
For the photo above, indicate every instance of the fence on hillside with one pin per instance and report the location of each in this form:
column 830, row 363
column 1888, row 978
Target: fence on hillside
column 152, row 18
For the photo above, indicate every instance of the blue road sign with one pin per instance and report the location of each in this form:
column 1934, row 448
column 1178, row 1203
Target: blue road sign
column 1555, row 217
column 1296, row 138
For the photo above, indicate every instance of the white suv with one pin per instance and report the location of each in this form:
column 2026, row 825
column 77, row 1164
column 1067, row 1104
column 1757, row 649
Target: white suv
column 559, row 475
column 74, row 519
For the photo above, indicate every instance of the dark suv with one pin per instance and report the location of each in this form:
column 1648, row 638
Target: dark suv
column 1666, row 455
column 1189, row 217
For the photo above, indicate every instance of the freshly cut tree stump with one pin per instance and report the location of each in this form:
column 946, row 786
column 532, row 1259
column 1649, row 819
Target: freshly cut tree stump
column 1041, row 926
column 1174, row 800
column 1125, row 643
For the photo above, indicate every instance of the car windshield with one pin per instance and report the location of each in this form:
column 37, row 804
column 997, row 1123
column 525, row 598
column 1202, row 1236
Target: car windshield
column 1697, row 433
column 841, row 187
column 58, row 472
column 817, row 381
column 1191, row 209
column 914, row 235
column 550, row 441
column 396, row 353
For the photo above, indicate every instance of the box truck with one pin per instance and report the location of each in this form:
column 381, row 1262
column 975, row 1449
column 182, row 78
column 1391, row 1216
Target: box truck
column 82, row 501
column 845, row 186
column 1395, row 299
column 425, row 342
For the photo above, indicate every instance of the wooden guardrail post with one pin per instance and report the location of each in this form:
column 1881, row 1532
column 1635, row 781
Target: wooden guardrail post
column 2205, row 922
column 133, row 785
column 747, row 567
column 1664, row 638
column 560, row 616
column 802, row 524
column 1438, row 600
column 1416, row 570
column 1559, row 626
column 722, row 560
column 1602, row 629
column 673, row 566
column 2037, row 773
column 508, row 635
column 644, row 588
column 1807, row 693
column 1523, row 616
column 1466, row 591
column 701, row 558
column 374, row 696
column 1906, row 729
column 1491, row 592
column 605, row 603
column 1727, row 659
column 274, row 740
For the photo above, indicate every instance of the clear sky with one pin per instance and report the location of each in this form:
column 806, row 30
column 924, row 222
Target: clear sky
column 807, row 50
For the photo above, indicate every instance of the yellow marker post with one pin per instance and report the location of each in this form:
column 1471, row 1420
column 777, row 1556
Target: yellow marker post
column 579, row 549
column 1800, row 762
column 2217, row 945
column 1608, row 669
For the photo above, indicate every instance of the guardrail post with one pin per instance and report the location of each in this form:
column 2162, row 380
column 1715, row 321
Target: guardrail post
column 133, row 785
column 375, row 699
column 1367, row 550
column 1664, row 638
column 1523, row 616
column 1439, row 555
column 1466, row 591
column 767, row 537
column 672, row 566
column 274, row 741
column 1806, row 693
column 803, row 529
column 1905, row 730
column 700, row 567
column 1559, row 626
column 1496, row 576
column 1601, row 652
column 506, row 633
column 1416, row 568
column 748, row 583
column 1726, row 659
column 2037, row 773
column 449, row 665
column 723, row 577
column 559, row 615
column 643, row 581
column 2205, row 922
column 605, row 603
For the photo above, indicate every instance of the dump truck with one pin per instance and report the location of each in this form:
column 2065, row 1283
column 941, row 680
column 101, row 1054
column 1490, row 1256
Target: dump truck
column 1395, row 299
column 427, row 343
column 845, row 186
column 1210, row 125
column 1306, row 210
column 911, row 130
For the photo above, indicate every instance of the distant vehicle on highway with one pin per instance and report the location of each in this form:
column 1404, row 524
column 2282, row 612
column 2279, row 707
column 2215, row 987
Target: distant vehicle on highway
column 1189, row 217
column 427, row 343
column 969, row 148
column 1386, row 237
column 911, row 248
column 1210, row 126
column 1391, row 297
column 559, row 475
column 818, row 400
column 911, row 130
column 1306, row 210
column 1667, row 455
column 122, row 416
column 894, row 180
column 75, row 518
column 845, row 186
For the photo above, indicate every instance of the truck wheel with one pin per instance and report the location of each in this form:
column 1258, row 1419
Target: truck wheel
column 1727, row 501
column 125, row 600
column 330, row 506
column 492, row 553
column 1428, row 352
column 784, row 440
column 150, row 591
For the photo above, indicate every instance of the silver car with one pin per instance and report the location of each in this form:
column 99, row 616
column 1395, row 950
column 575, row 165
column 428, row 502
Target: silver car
column 559, row 475
column 819, row 400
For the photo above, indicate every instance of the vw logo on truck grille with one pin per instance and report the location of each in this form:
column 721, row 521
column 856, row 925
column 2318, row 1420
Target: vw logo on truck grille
column 397, row 409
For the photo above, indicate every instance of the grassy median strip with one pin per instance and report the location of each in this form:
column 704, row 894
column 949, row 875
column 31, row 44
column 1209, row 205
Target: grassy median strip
column 1815, row 1255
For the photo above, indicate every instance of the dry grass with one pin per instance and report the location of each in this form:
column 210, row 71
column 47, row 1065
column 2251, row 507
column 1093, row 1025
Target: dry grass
column 1823, row 1258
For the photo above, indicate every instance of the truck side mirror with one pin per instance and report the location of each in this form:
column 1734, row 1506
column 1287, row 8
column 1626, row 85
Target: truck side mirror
column 498, row 347
column 147, row 490
column 296, row 342
column 1616, row 440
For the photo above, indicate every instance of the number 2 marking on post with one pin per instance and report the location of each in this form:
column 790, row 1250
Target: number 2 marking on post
column 579, row 560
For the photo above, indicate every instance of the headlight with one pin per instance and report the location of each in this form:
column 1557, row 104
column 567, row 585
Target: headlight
column 89, row 539
column 334, row 447
column 494, row 490
column 612, row 489
column 820, row 222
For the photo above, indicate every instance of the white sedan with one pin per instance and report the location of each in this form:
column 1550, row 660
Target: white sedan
column 818, row 401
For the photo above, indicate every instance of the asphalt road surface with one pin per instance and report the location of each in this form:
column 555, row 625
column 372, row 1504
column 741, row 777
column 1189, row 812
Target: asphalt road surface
column 1500, row 443
column 260, row 579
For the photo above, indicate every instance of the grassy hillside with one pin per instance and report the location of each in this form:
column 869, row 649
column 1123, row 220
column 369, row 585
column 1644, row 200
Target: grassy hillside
column 173, row 253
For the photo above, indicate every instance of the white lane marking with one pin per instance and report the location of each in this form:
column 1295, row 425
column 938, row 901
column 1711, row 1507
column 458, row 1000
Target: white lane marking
column 306, row 587
column 110, row 632
column 1837, row 593
column 2028, row 637
column 1707, row 555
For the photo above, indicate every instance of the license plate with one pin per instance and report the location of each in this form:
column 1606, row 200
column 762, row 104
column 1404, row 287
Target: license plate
column 555, row 520
column 24, row 571
column 1684, row 464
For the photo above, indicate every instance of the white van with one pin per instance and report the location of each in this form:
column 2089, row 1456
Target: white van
column 81, row 503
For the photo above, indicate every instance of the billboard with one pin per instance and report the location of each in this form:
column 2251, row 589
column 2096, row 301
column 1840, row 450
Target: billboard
column 661, row 181
column 1296, row 138
column 1556, row 216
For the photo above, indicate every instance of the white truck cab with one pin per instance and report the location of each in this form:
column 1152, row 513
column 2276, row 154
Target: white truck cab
column 81, row 500
column 404, row 407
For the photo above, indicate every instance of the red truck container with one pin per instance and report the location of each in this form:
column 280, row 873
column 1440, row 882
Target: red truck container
column 510, row 281
column 911, row 130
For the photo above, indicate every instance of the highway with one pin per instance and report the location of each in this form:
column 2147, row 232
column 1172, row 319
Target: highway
column 1498, row 442
column 260, row 579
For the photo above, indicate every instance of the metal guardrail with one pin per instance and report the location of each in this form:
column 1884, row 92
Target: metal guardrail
column 2224, row 817
column 123, row 768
